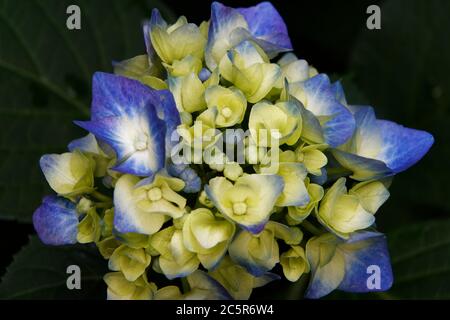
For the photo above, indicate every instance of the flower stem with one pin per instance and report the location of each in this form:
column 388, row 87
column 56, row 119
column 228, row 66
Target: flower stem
column 308, row 226
column 101, row 196
column 185, row 285
column 104, row 205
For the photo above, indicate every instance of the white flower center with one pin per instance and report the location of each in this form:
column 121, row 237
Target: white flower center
column 141, row 142
column 239, row 208
column 226, row 112
column 154, row 194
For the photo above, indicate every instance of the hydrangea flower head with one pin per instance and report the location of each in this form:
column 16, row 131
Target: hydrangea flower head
column 212, row 159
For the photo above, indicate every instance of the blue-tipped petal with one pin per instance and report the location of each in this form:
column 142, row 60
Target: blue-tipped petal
column 146, row 29
column 114, row 95
column 188, row 175
column 224, row 20
column 348, row 265
column 119, row 96
column 123, row 134
column 167, row 111
column 256, row 228
column 294, row 192
column 205, row 287
column 107, row 129
column 369, row 250
column 255, row 270
column 262, row 190
column 367, row 131
column 381, row 148
column 128, row 217
column 340, row 128
column 339, row 92
column 257, row 255
column 266, row 278
column 132, row 119
column 320, row 179
column 228, row 27
column 86, row 144
column 141, row 163
column 247, row 51
column 312, row 131
column 402, row 147
column 204, row 74
column 268, row 28
column 339, row 124
column 319, row 94
column 56, row 221
column 360, row 153
column 363, row 168
column 155, row 20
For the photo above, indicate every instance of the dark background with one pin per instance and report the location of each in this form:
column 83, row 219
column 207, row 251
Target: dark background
column 402, row 70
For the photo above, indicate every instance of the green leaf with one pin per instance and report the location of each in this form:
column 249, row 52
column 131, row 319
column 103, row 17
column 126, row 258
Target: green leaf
column 45, row 72
column 402, row 70
column 421, row 261
column 40, row 272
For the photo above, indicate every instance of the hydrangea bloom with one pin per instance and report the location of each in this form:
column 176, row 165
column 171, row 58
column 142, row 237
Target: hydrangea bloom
column 208, row 159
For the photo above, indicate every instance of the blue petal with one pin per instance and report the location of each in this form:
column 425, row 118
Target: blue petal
column 320, row 179
column 368, row 249
column 203, row 281
column 224, row 20
column 167, row 111
column 156, row 19
column 294, row 191
column 266, row 278
column 312, row 131
column 318, row 289
column 245, row 259
column 339, row 92
column 124, row 110
column 348, row 264
column 256, row 270
column 188, row 175
column 141, row 163
column 363, row 168
column 322, row 102
column 380, row 148
column 247, row 51
column 204, row 74
column 56, row 221
column 107, row 129
column 120, row 133
column 146, row 29
column 402, row 147
column 267, row 26
column 340, row 128
column 86, row 144
column 114, row 95
column 256, row 228
column 367, row 129
column 320, row 95
column 327, row 265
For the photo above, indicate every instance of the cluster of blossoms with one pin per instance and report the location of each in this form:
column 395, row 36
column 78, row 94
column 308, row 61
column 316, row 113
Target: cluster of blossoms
column 152, row 186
